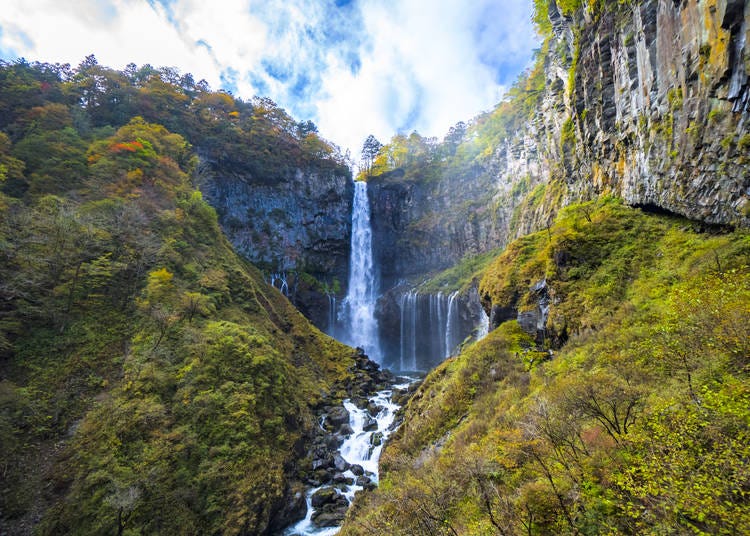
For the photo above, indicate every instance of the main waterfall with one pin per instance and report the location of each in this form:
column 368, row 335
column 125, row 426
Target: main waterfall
column 361, row 327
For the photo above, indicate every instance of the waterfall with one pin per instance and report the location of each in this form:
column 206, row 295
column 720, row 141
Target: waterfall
column 359, row 304
column 408, row 306
column 278, row 280
column 484, row 326
column 433, row 326
column 331, row 314
column 451, row 325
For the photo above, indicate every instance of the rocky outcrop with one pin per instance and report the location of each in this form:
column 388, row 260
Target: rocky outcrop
column 655, row 105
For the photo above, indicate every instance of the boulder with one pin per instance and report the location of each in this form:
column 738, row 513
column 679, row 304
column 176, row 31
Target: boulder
column 341, row 478
column 329, row 519
column 340, row 463
column 337, row 416
column 370, row 424
column 325, row 496
column 374, row 409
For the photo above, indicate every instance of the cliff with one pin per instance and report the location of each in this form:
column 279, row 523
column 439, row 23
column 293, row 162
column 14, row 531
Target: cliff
column 298, row 223
column 649, row 102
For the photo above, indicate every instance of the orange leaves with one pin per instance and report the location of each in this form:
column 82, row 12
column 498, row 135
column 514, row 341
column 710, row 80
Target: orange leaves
column 126, row 146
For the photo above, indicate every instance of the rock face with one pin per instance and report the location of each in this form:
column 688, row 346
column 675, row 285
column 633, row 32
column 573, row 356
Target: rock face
column 420, row 227
column 655, row 100
column 300, row 224
column 645, row 100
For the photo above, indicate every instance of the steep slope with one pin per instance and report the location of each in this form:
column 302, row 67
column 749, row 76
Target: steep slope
column 628, row 416
column 150, row 380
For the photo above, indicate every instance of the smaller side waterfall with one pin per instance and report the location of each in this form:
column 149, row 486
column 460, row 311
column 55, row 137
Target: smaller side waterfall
column 451, row 325
column 484, row 327
column 279, row 281
column 408, row 304
column 432, row 327
column 331, row 314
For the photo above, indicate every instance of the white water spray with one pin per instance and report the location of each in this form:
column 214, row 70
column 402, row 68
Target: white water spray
column 359, row 305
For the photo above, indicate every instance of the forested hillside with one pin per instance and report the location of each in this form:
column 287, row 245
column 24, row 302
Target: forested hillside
column 150, row 380
column 596, row 221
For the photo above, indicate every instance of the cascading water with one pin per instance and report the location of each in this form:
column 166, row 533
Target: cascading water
column 432, row 326
column 361, row 327
column 360, row 449
column 331, row 315
column 484, row 326
column 408, row 306
column 451, row 325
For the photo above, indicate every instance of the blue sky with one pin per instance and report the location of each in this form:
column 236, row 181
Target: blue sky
column 354, row 67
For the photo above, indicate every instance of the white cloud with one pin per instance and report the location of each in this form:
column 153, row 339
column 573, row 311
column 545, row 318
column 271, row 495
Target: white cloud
column 418, row 64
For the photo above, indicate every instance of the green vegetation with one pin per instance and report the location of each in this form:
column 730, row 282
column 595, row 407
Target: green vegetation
column 150, row 381
column 460, row 276
column 637, row 422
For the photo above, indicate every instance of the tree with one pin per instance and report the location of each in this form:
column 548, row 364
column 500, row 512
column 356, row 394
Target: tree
column 370, row 151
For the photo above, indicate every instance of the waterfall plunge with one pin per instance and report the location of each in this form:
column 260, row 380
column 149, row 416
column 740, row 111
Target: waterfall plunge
column 359, row 306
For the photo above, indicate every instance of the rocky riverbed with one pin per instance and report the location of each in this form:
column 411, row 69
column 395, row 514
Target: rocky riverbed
column 342, row 459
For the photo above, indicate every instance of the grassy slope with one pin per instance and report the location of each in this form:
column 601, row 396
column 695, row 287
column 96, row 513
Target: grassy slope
column 150, row 380
column 639, row 423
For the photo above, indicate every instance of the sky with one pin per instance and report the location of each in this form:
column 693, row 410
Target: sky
column 354, row 67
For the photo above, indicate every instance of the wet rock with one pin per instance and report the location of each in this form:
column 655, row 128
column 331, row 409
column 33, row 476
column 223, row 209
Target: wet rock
column 376, row 439
column 370, row 424
column 337, row 416
column 329, row 519
column 360, row 402
column 323, row 476
column 345, row 430
column 373, row 409
column 334, row 441
column 325, row 496
column 341, row 478
column 322, row 463
column 363, row 481
column 340, row 463
column 358, row 470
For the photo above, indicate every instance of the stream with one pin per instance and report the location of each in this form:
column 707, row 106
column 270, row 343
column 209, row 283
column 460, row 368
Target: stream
column 361, row 450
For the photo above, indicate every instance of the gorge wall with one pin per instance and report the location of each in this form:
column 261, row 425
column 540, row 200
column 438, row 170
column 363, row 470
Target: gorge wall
column 301, row 223
column 646, row 101
column 655, row 105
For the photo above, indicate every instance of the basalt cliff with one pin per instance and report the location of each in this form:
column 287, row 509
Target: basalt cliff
column 643, row 101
